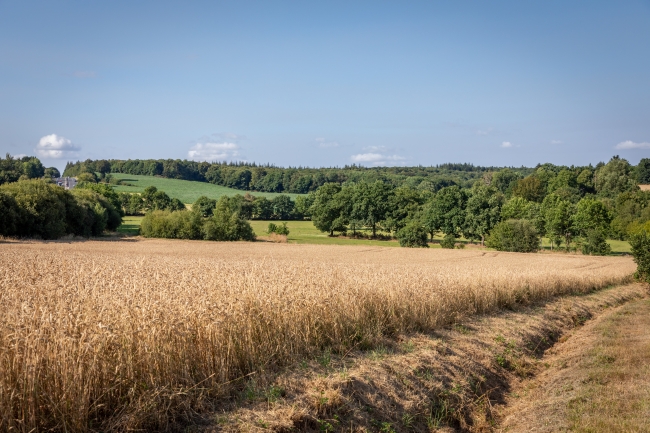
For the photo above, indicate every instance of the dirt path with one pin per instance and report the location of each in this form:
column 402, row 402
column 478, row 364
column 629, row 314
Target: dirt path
column 596, row 380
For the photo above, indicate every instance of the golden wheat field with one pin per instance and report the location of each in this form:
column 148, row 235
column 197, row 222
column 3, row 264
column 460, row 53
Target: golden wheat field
column 101, row 336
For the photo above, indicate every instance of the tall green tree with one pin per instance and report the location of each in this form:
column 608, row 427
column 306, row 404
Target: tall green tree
column 371, row 203
column 643, row 171
column 446, row 211
column 326, row 211
column 614, row 178
column 483, row 210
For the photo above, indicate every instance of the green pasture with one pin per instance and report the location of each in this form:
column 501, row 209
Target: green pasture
column 304, row 232
column 185, row 190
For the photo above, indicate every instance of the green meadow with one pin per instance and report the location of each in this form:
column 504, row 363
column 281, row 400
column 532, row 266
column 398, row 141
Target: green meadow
column 304, row 232
column 185, row 190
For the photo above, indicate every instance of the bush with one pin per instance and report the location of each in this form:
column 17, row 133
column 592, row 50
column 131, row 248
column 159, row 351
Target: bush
column 41, row 208
column 278, row 229
column 172, row 225
column 222, row 227
column 595, row 244
column 514, row 236
column 412, row 235
column 449, row 241
column 640, row 243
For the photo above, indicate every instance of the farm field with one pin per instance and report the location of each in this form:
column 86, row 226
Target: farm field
column 134, row 334
column 184, row 190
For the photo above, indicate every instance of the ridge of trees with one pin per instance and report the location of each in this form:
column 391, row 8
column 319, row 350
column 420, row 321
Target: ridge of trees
column 298, row 180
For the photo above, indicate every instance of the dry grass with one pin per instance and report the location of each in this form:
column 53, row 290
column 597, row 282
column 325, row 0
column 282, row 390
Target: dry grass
column 598, row 380
column 125, row 335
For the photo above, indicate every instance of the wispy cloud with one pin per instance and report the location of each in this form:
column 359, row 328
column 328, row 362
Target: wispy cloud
column 326, row 144
column 217, row 147
column 632, row 145
column 556, row 141
column 506, row 144
column 485, row 131
column 377, row 156
column 56, row 147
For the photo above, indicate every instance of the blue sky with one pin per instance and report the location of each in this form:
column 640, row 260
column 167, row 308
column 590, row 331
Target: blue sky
column 327, row 83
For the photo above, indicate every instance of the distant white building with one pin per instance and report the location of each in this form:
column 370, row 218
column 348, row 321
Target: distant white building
column 66, row 182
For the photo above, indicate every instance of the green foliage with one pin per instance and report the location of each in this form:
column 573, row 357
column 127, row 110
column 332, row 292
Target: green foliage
column 271, row 179
column 530, row 188
column 640, row 243
column 280, row 229
column 106, row 191
column 204, row 206
column 446, row 211
column 505, row 180
column 412, row 235
column 87, row 177
column 104, row 214
column 556, row 215
column 225, row 224
column 614, row 178
column 595, row 243
column 643, row 171
column 591, row 215
column 172, row 225
column 514, row 236
column 51, row 172
column 13, row 169
column 35, row 208
column 519, row 208
column 370, row 203
column 449, row 241
column 9, row 214
column 282, row 207
column 483, row 211
column 327, row 211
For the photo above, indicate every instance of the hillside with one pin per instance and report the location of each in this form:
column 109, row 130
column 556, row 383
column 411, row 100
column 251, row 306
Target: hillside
column 185, row 190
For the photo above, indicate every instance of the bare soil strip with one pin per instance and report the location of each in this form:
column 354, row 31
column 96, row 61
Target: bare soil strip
column 598, row 380
column 459, row 379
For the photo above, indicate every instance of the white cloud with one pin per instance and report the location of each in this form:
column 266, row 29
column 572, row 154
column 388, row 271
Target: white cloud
column 376, row 159
column 324, row 144
column 506, row 144
column 556, row 142
column 632, row 145
column 214, row 151
column 55, row 147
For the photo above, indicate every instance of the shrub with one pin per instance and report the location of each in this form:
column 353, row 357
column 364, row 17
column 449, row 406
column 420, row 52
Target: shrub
column 449, row 241
column 515, row 236
column 412, row 235
column 224, row 227
column 278, row 229
column 172, row 225
column 640, row 243
column 595, row 244
column 41, row 208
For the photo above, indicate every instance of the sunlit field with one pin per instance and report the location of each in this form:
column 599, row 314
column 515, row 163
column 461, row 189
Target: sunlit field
column 133, row 334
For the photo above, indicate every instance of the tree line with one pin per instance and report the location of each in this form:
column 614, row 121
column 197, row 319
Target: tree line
column 299, row 180
column 573, row 207
column 36, row 208
column 27, row 167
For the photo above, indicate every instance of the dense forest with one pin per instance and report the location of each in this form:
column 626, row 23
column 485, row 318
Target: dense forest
column 299, row 180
